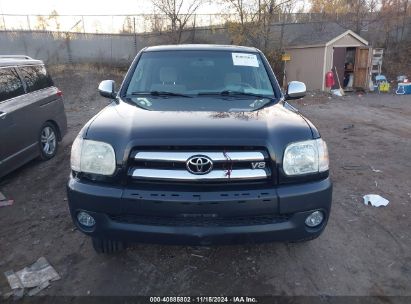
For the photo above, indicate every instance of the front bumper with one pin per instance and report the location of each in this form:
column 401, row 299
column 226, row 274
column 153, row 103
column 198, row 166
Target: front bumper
column 204, row 218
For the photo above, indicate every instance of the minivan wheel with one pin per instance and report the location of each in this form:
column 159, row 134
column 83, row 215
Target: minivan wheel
column 107, row 246
column 48, row 141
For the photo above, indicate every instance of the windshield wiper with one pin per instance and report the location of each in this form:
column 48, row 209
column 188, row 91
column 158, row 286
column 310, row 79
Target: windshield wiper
column 161, row 93
column 233, row 93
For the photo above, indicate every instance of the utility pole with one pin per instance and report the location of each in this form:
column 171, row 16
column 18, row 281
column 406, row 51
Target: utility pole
column 135, row 34
column 2, row 13
column 28, row 22
column 194, row 28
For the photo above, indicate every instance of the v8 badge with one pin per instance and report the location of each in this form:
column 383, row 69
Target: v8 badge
column 258, row 165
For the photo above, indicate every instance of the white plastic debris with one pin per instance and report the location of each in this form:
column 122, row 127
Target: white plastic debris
column 375, row 200
column 375, row 170
column 14, row 281
column 336, row 92
column 35, row 277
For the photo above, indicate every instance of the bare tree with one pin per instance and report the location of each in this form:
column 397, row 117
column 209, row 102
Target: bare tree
column 44, row 23
column 41, row 23
column 394, row 14
column 256, row 19
column 97, row 26
column 128, row 25
column 354, row 14
column 360, row 13
column 156, row 23
column 254, row 26
column 173, row 10
column 54, row 18
column 328, row 7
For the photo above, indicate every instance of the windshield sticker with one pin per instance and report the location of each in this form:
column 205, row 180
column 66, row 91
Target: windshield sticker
column 242, row 59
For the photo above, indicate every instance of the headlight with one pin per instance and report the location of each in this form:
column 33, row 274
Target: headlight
column 91, row 156
column 305, row 157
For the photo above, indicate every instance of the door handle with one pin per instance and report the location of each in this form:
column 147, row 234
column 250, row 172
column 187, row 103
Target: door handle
column 3, row 115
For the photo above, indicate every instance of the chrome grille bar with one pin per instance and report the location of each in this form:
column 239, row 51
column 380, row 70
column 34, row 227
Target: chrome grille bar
column 171, row 156
column 184, row 175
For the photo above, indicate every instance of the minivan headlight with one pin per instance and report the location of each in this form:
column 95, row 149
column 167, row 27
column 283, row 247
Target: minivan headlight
column 91, row 156
column 305, row 157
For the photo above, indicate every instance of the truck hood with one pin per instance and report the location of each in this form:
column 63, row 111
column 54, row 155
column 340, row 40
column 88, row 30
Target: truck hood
column 126, row 126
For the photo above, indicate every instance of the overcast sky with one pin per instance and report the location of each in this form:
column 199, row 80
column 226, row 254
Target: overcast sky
column 95, row 7
column 88, row 7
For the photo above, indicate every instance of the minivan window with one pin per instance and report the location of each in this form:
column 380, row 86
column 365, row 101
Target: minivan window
column 198, row 73
column 35, row 77
column 10, row 84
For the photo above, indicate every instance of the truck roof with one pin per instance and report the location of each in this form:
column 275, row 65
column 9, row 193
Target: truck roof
column 13, row 60
column 201, row 47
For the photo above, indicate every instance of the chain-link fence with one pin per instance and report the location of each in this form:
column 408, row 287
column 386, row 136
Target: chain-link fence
column 112, row 24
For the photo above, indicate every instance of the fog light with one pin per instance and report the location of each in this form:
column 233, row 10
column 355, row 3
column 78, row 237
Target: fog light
column 314, row 219
column 85, row 219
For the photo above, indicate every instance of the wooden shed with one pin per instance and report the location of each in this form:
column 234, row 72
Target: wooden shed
column 318, row 52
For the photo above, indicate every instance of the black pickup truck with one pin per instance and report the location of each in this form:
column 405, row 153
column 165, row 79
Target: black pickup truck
column 199, row 147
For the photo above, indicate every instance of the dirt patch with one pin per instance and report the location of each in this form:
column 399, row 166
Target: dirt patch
column 363, row 251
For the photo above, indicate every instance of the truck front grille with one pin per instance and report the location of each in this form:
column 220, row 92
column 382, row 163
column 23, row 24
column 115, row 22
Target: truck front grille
column 199, row 165
column 195, row 221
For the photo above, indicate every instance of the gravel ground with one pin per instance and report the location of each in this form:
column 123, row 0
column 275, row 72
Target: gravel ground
column 364, row 250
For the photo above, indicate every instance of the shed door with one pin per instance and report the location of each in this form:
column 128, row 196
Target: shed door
column 339, row 54
column 362, row 60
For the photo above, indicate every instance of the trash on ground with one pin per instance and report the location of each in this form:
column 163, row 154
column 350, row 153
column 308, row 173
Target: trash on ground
column 36, row 290
column 4, row 201
column 354, row 167
column 14, row 281
column 336, row 92
column 198, row 256
column 34, row 278
column 375, row 170
column 375, row 200
column 349, row 127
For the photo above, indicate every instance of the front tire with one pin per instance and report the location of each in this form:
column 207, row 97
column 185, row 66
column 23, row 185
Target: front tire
column 48, row 141
column 107, row 246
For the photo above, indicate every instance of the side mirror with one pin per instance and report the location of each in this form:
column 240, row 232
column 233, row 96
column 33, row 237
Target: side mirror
column 107, row 88
column 295, row 90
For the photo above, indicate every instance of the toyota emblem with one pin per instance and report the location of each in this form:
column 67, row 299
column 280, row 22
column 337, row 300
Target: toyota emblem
column 199, row 164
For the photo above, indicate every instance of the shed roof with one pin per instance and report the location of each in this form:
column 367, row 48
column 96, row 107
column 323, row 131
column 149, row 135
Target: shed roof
column 316, row 34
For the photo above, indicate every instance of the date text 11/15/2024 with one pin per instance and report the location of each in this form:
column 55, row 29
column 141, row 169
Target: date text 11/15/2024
column 203, row 299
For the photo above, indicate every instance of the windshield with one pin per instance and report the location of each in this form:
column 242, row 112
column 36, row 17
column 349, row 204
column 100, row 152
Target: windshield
column 185, row 74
